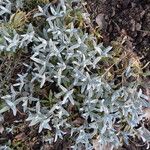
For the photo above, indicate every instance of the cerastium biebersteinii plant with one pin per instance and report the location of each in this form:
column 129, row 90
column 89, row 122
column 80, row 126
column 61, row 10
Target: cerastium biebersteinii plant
column 74, row 67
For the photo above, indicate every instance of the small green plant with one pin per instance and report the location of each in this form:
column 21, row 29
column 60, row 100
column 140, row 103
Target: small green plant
column 49, row 100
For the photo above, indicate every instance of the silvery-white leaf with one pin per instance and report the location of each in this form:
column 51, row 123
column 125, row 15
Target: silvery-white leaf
column 6, row 97
column 106, row 50
column 43, row 80
column 38, row 107
column 12, row 106
column 4, row 109
column 96, row 61
column 3, row 10
column 68, row 96
column 44, row 125
column 25, row 104
column 40, row 9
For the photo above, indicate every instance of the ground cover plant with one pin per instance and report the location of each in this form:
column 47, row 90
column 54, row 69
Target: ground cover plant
column 65, row 83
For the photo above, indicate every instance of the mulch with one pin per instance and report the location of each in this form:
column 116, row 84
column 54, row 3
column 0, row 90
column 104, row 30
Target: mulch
column 124, row 17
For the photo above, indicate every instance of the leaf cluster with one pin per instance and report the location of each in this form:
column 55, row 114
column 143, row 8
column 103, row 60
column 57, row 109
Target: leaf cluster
column 69, row 81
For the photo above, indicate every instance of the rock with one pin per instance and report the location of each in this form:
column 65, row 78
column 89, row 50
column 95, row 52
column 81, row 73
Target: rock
column 138, row 26
column 132, row 25
column 100, row 20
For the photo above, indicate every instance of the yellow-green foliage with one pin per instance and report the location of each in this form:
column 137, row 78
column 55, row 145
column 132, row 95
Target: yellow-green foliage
column 18, row 20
